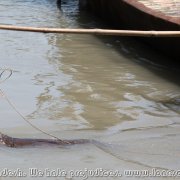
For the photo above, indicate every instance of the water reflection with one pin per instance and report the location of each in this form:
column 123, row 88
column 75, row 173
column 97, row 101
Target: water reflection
column 173, row 104
column 101, row 86
column 89, row 91
column 81, row 80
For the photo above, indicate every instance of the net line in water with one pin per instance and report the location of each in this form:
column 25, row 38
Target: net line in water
column 3, row 94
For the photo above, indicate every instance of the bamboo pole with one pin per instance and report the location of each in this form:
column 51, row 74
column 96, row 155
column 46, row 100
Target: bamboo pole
column 94, row 31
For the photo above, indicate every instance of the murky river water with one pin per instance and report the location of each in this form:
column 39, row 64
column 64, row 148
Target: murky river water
column 81, row 86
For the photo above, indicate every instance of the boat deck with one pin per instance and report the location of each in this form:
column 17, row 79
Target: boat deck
column 167, row 7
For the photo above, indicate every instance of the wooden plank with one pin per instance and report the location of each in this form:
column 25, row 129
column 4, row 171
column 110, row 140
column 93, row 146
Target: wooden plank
column 94, row 31
column 168, row 7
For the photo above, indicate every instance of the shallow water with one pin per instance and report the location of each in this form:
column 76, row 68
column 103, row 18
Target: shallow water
column 82, row 86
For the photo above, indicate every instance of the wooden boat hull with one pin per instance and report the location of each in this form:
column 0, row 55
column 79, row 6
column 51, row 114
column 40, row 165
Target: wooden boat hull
column 130, row 14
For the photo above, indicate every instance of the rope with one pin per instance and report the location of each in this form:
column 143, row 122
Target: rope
column 94, row 31
column 3, row 71
column 16, row 110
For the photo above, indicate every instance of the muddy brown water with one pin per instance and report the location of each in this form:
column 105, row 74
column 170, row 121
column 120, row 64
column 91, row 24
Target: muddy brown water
column 81, row 86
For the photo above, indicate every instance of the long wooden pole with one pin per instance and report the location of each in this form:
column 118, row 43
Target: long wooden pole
column 94, row 31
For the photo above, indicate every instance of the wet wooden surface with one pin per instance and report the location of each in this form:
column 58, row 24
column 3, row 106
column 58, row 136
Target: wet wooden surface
column 167, row 7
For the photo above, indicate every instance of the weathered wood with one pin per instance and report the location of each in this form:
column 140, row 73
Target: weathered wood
column 94, row 31
column 20, row 142
column 168, row 7
column 136, row 15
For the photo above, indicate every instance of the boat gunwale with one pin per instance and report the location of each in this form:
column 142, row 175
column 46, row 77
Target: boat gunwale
column 157, row 14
